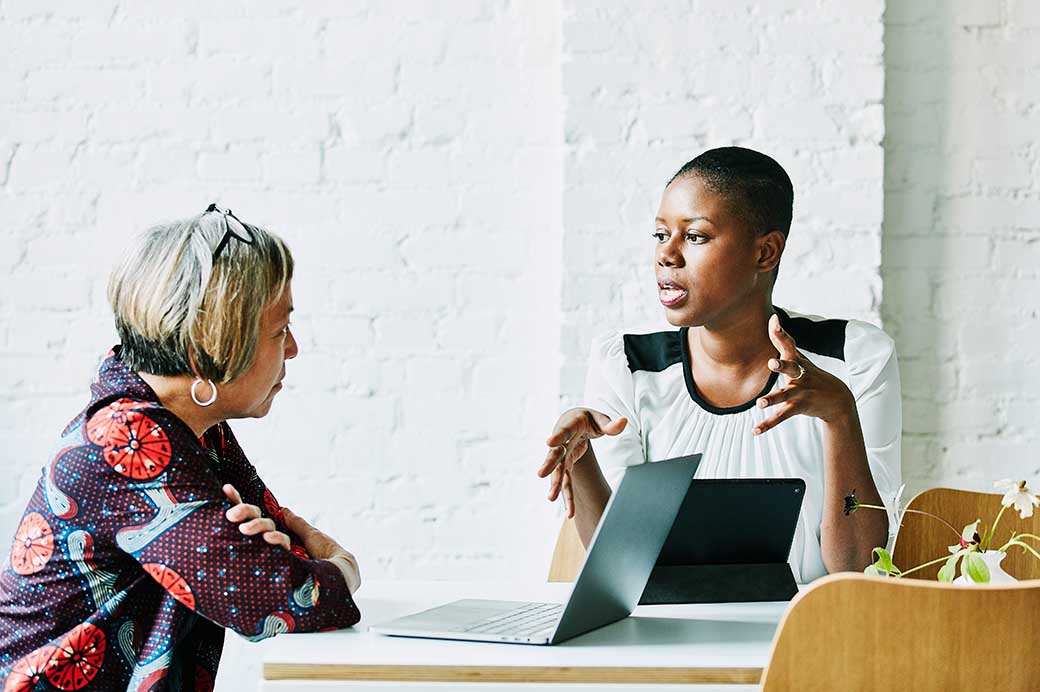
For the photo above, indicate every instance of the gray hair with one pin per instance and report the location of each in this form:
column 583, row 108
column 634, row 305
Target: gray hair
column 179, row 311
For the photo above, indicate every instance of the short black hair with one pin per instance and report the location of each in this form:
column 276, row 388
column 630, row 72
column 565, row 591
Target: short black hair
column 757, row 187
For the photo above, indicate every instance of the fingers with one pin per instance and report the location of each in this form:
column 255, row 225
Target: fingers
column 605, row 425
column 782, row 341
column 564, row 455
column 786, row 410
column 277, row 538
column 232, row 494
column 267, row 529
column 774, row 398
column 584, row 421
column 553, row 458
column 257, row 526
column 556, row 484
column 566, row 427
column 561, row 484
column 791, row 369
column 243, row 512
column 568, row 496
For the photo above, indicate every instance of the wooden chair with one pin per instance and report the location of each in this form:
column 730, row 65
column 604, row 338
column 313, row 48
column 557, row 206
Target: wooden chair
column 852, row 632
column 568, row 554
column 921, row 539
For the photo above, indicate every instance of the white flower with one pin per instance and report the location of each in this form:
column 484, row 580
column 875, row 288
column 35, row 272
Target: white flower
column 1019, row 496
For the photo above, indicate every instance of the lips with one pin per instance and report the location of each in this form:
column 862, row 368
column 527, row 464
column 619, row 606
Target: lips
column 671, row 293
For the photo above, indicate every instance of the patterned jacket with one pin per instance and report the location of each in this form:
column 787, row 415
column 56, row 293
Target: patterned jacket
column 124, row 571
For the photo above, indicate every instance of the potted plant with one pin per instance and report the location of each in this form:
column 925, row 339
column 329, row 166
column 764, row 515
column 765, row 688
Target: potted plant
column 973, row 553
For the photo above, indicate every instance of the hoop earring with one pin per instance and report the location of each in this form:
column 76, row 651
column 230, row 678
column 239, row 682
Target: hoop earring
column 195, row 396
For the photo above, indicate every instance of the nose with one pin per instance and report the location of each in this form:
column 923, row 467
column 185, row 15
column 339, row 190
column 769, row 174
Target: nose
column 292, row 349
column 669, row 253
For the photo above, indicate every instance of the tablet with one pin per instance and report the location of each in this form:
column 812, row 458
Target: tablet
column 729, row 542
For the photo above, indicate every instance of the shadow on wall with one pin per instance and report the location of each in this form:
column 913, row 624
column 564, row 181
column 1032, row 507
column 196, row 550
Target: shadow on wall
column 959, row 245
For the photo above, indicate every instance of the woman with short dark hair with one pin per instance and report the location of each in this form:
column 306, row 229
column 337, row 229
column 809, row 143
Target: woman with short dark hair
column 150, row 532
column 759, row 391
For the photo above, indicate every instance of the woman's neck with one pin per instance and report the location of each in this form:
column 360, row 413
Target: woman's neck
column 737, row 344
column 175, row 395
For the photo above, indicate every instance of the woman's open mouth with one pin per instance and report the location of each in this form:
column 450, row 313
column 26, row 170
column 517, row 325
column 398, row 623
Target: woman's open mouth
column 671, row 294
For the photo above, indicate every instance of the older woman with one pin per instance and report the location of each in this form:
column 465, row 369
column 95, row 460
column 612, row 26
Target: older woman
column 137, row 528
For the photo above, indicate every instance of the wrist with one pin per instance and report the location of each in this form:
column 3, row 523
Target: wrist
column 349, row 569
column 845, row 416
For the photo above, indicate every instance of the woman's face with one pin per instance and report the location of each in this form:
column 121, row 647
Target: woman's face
column 250, row 394
column 707, row 261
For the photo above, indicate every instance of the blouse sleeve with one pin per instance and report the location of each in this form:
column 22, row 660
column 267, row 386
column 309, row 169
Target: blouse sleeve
column 874, row 381
column 609, row 389
column 170, row 515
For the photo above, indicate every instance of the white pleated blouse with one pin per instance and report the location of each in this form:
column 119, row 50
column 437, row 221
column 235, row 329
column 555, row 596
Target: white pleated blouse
column 647, row 378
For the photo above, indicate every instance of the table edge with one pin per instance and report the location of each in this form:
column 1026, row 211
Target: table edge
column 542, row 674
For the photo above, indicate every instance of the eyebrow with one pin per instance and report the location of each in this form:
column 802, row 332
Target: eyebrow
column 691, row 219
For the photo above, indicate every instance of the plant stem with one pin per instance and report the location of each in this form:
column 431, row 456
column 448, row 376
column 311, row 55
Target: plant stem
column 1015, row 541
column 917, row 511
column 933, row 562
column 993, row 529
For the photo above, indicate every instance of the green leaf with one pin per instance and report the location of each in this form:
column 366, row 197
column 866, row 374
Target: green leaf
column 883, row 561
column 968, row 534
column 975, row 567
column 872, row 571
column 949, row 570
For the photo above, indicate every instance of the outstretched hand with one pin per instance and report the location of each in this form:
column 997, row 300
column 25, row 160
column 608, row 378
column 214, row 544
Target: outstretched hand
column 568, row 443
column 807, row 390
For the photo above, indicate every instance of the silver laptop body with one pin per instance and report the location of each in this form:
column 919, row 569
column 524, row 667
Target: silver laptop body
column 624, row 548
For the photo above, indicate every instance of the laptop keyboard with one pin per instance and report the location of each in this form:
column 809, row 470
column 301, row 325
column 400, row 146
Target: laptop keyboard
column 525, row 620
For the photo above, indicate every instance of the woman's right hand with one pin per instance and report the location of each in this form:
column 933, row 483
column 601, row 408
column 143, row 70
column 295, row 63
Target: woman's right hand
column 321, row 546
column 251, row 520
column 568, row 443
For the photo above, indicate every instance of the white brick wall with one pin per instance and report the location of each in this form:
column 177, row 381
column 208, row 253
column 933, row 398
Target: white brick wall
column 409, row 153
column 646, row 93
column 468, row 185
column 961, row 265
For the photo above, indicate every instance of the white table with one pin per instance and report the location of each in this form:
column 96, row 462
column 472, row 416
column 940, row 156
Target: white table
column 659, row 647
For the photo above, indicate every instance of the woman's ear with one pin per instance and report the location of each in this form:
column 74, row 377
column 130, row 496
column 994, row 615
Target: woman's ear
column 770, row 248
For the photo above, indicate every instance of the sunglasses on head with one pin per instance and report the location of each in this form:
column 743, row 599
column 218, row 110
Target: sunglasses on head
column 247, row 235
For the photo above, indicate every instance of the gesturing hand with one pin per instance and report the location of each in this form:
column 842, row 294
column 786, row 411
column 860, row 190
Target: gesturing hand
column 808, row 390
column 568, row 442
column 250, row 520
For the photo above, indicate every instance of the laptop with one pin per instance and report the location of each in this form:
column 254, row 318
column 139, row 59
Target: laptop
column 730, row 542
column 629, row 537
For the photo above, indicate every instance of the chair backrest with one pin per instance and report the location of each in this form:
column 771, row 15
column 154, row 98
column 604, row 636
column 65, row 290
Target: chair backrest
column 568, row 554
column 848, row 631
column 921, row 539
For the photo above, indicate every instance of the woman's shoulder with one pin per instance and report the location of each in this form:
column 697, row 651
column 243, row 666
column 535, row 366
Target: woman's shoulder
column 638, row 349
column 139, row 439
column 854, row 342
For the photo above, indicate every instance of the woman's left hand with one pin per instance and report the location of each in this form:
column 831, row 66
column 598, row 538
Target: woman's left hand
column 808, row 390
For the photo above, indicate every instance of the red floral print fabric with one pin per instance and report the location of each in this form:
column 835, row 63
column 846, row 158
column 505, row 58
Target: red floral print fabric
column 124, row 571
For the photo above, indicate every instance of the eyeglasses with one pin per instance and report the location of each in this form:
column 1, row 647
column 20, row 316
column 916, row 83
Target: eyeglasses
column 229, row 231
